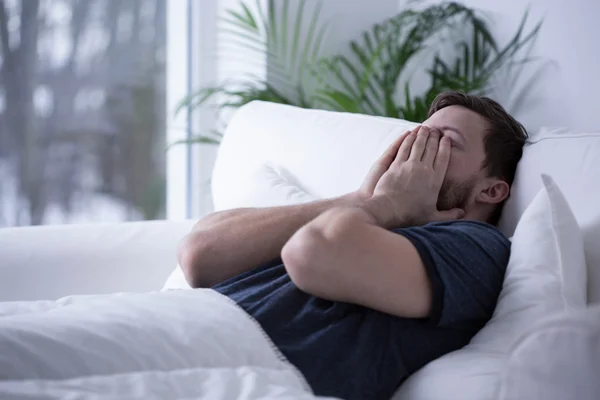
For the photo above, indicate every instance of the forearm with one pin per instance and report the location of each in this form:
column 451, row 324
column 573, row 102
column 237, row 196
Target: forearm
column 225, row 244
column 346, row 255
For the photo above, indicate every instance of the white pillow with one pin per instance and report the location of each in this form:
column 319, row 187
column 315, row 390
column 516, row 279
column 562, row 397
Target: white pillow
column 572, row 159
column 270, row 186
column 546, row 274
column 557, row 359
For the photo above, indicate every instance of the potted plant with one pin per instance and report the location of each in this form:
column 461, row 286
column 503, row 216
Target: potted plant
column 372, row 78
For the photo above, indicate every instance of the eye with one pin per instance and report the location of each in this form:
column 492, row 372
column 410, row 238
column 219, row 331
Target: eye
column 455, row 145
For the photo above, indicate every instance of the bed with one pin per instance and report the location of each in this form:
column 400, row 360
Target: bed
column 131, row 328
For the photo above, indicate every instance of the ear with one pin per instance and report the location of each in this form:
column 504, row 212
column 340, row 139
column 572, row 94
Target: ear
column 493, row 191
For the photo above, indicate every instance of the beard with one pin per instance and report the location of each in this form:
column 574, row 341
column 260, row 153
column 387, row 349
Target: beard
column 454, row 194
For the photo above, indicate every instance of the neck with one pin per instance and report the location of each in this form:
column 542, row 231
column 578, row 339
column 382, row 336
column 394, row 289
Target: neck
column 479, row 213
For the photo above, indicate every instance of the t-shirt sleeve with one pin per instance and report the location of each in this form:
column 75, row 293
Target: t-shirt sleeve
column 465, row 262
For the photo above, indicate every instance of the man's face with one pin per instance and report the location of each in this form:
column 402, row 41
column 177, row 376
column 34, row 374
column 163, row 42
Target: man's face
column 466, row 129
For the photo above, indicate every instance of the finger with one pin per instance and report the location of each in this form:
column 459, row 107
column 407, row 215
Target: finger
column 431, row 148
column 449, row 215
column 418, row 148
column 389, row 154
column 405, row 149
column 383, row 163
column 442, row 159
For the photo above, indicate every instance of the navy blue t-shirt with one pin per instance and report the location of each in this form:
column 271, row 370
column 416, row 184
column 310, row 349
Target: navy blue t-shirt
column 353, row 352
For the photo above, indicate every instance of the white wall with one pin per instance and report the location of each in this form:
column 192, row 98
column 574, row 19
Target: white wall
column 348, row 19
column 177, row 83
column 206, row 71
column 215, row 60
column 567, row 92
column 566, row 88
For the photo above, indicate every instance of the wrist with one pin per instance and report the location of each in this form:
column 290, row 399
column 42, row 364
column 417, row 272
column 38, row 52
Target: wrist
column 384, row 214
column 361, row 206
column 353, row 199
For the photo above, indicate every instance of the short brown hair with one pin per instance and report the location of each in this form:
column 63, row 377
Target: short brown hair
column 504, row 140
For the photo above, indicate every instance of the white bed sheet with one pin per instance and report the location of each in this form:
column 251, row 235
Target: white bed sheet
column 243, row 383
column 191, row 344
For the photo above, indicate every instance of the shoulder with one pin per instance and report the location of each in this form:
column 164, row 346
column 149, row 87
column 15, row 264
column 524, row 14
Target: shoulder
column 477, row 230
column 471, row 238
column 474, row 230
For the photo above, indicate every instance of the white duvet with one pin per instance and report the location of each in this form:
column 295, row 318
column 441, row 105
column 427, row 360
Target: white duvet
column 185, row 344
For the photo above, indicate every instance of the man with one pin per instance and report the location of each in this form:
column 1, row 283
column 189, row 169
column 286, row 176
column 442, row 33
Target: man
column 360, row 291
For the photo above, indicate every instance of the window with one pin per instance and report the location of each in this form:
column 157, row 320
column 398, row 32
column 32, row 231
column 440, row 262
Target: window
column 83, row 110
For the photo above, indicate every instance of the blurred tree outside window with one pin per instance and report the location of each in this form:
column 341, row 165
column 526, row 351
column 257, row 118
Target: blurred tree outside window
column 82, row 111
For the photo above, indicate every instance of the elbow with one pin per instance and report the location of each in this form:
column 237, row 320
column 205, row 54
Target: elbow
column 303, row 256
column 191, row 256
column 311, row 255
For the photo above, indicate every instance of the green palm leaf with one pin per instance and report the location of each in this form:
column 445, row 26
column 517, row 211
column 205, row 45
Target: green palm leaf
column 292, row 53
column 379, row 59
column 365, row 78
